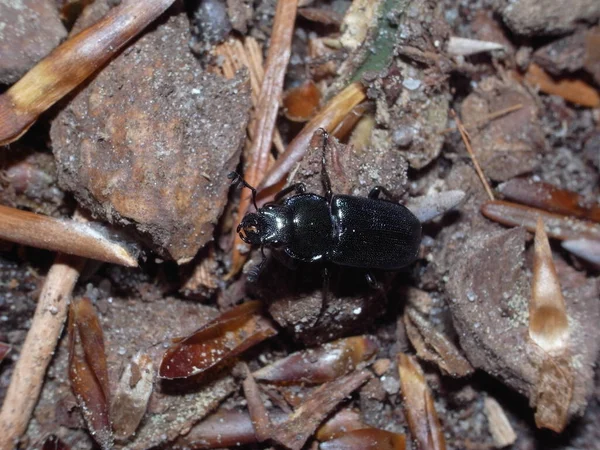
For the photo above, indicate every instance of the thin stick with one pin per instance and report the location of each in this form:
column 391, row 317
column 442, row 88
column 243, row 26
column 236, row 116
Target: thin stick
column 486, row 119
column 38, row 348
column 65, row 236
column 72, row 63
column 266, row 108
column 467, row 140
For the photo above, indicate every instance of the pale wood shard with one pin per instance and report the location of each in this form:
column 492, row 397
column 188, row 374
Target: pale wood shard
column 38, row 348
column 500, row 428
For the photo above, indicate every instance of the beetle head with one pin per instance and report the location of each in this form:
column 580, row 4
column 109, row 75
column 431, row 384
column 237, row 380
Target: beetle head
column 268, row 226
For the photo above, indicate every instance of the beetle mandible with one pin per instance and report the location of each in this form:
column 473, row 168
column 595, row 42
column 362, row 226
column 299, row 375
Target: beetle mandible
column 363, row 232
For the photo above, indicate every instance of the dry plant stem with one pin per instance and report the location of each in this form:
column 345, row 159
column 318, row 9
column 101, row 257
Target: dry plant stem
column 72, row 63
column 328, row 118
column 266, row 111
column 557, row 226
column 258, row 412
column 486, row 119
column 467, row 140
column 65, row 236
column 38, row 348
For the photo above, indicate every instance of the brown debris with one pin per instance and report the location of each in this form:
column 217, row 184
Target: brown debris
column 418, row 404
column 500, row 428
column 366, row 439
column 508, row 145
column 132, row 395
column 223, row 338
column 54, row 77
column 571, row 89
column 93, row 241
column 554, row 393
column 557, row 226
column 321, row 15
column 328, row 118
column 36, row 352
column 550, row 198
column 180, row 128
column 54, row 443
column 300, row 103
column 432, row 345
column 342, row 422
column 30, row 30
column 88, row 371
column 322, row 364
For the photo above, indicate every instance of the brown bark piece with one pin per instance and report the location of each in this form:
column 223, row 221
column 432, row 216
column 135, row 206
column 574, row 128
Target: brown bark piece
column 151, row 139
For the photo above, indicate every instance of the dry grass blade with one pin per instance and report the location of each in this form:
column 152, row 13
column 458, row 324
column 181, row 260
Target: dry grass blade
column 72, row 63
column 266, row 111
column 258, row 412
column 571, row 89
column 66, row 236
column 225, row 337
column 132, row 395
column 550, row 198
column 366, row 439
column 548, row 322
column 418, row 404
column 557, row 226
column 322, row 364
column 4, row 349
column 467, row 140
column 38, row 348
column 328, row 118
column 88, row 371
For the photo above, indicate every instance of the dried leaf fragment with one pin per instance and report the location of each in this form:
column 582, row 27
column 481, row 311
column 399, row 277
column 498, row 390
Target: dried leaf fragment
column 300, row 103
column 88, row 372
column 548, row 322
column 132, row 395
column 458, row 46
column 501, row 430
column 322, row 364
column 4, row 349
column 341, row 423
column 418, row 404
column 550, row 198
column 366, row 439
column 434, row 346
column 571, row 89
column 224, row 337
column 72, row 63
column 554, row 393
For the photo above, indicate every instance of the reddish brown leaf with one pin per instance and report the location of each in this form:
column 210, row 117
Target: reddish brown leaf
column 418, row 404
column 550, row 198
column 341, row 423
column 324, row 16
column 571, row 89
column 223, row 338
column 300, row 103
column 87, row 370
column 322, row 364
column 557, row 226
column 366, row 439
column 4, row 349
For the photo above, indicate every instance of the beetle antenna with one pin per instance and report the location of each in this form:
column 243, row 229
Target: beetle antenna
column 237, row 179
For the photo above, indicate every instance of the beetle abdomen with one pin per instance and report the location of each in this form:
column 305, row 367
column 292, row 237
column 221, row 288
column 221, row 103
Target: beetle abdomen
column 373, row 233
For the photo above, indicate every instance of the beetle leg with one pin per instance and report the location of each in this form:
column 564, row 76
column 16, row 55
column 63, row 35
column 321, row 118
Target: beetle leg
column 374, row 193
column 256, row 271
column 236, row 179
column 325, row 292
column 300, row 188
column 324, row 174
column 372, row 281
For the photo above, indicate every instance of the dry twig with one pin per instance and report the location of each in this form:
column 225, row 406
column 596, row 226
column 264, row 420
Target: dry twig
column 72, row 63
column 38, row 348
column 467, row 140
column 486, row 119
column 66, row 236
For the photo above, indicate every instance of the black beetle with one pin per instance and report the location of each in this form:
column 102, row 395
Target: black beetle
column 364, row 232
